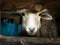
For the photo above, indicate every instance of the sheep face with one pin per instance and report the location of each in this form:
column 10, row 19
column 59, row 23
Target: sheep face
column 31, row 20
column 31, row 23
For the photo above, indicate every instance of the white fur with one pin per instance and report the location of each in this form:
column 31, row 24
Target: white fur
column 31, row 23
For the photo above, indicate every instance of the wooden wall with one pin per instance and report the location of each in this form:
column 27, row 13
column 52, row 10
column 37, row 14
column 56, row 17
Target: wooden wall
column 8, row 4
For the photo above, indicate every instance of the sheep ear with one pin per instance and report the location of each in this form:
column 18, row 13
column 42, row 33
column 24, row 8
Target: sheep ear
column 46, row 16
column 21, row 11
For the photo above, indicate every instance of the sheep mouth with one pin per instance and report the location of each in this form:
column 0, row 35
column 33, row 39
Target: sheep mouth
column 30, row 32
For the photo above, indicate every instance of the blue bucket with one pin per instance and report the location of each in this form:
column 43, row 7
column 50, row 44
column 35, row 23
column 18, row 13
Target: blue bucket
column 0, row 28
column 11, row 29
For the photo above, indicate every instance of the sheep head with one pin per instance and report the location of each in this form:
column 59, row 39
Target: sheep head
column 32, row 19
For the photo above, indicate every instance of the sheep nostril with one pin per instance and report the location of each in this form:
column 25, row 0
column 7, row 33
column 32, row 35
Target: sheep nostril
column 31, row 29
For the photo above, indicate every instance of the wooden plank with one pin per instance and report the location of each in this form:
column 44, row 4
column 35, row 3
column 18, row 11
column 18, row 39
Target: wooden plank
column 28, row 40
column 16, row 18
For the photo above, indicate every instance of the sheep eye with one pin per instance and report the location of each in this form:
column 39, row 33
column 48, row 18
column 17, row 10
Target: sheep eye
column 23, row 14
column 39, row 14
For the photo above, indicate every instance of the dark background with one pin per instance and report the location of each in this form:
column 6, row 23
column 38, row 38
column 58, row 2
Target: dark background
column 52, row 5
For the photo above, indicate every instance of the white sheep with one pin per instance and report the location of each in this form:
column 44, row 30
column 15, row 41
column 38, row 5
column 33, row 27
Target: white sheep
column 32, row 20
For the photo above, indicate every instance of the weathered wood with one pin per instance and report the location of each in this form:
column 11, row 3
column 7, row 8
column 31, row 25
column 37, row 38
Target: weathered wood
column 16, row 18
column 28, row 40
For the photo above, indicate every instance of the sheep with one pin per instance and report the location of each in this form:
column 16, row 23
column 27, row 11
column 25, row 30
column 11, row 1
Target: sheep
column 32, row 20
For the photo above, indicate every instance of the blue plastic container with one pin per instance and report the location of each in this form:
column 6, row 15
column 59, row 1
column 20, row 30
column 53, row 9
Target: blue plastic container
column 11, row 29
column 0, row 28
